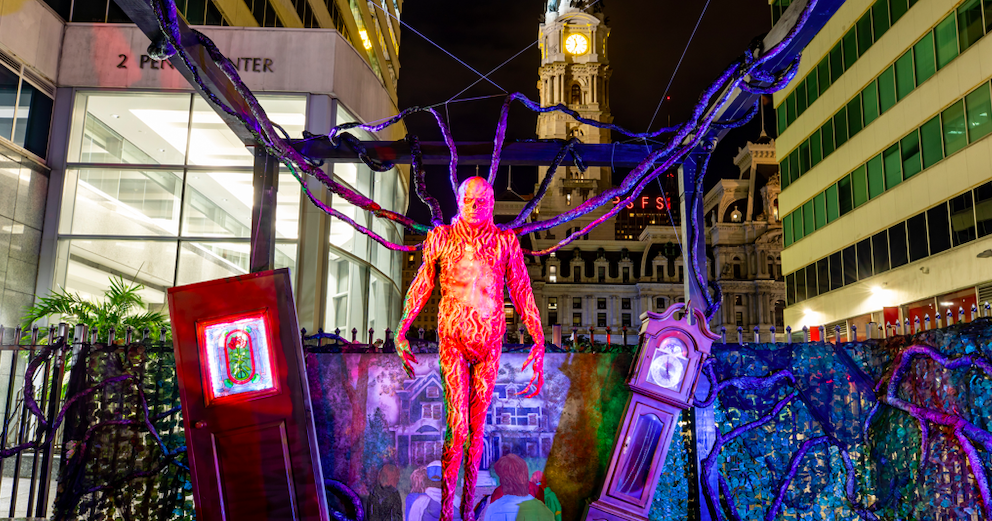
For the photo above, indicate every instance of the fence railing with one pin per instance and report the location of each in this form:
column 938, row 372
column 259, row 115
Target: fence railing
column 29, row 446
column 100, row 420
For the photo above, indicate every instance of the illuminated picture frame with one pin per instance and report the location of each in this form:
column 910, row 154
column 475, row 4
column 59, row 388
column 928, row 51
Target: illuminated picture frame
column 239, row 351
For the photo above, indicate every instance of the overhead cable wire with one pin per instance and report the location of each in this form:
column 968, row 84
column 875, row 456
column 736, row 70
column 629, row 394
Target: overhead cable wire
column 445, row 51
column 679, row 64
column 508, row 60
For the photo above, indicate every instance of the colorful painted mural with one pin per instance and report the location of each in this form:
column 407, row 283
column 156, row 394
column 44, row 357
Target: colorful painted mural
column 372, row 419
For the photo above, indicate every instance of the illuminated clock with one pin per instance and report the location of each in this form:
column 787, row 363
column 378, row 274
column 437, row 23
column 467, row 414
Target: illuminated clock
column 576, row 44
column 668, row 363
column 662, row 385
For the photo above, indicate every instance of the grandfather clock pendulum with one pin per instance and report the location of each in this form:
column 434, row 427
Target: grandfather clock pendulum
column 662, row 384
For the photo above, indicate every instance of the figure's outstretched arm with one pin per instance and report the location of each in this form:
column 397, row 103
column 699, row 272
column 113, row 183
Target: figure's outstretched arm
column 418, row 294
column 523, row 300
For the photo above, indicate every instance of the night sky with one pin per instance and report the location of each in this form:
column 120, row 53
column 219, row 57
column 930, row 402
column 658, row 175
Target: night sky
column 646, row 40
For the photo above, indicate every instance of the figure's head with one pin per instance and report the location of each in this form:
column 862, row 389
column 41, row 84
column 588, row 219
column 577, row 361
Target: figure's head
column 476, row 201
column 418, row 480
column 512, row 472
column 389, row 475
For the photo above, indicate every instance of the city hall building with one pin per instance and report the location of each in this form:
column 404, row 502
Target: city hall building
column 110, row 164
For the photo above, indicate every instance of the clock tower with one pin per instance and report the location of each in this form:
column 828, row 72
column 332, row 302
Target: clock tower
column 575, row 72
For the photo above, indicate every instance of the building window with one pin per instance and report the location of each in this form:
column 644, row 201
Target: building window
column 739, row 318
column 738, row 300
column 955, row 137
column 552, row 318
column 576, row 274
column 552, row 302
column 601, row 273
column 553, row 273
column 601, row 303
column 576, row 94
column 626, row 275
column 779, row 314
column 625, row 320
column 576, row 319
column 189, row 208
column 659, row 304
column 431, row 411
column 576, row 302
column 601, row 320
column 27, row 122
column 625, row 303
column 433, row 391
column 681, row 274
column 532, row 419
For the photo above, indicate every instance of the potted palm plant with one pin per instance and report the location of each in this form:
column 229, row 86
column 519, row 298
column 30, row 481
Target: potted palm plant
column 120, row 307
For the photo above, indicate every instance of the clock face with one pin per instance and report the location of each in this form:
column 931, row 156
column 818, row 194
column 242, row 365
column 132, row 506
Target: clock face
column 666, row 371
column 668, row 363
column 576, row 44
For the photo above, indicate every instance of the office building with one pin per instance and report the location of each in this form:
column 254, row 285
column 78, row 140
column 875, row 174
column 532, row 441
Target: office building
column 886, row 195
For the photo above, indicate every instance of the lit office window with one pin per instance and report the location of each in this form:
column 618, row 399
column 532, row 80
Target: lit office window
column 171, row 210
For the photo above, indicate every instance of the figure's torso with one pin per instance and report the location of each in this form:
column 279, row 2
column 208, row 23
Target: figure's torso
column 473, row 269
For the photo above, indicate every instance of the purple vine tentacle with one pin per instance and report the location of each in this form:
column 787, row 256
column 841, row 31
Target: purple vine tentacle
column 924, row 446
column 420, row 182
column 964, row 430
column 710, row 461
column 942, row 418
column 504, row 114
column 728, row 496
column 746, row 383
column 700, row 275
column 452, row 150
column 545, row 184
column 978, row 469
column 851, row 480
column 797, row 458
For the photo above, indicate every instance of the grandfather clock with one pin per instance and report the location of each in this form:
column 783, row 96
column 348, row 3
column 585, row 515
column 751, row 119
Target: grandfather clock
column 662, row 384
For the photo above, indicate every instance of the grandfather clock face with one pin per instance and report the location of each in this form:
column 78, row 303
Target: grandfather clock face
column 669, row 362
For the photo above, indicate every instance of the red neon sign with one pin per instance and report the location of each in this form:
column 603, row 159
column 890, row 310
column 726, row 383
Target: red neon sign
column 660, row 203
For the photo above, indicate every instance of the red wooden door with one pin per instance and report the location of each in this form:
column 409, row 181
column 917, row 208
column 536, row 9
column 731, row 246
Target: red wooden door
column 246, row 405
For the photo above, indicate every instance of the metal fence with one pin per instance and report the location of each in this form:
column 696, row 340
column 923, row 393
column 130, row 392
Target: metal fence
column 91, row 430
column 29, row 445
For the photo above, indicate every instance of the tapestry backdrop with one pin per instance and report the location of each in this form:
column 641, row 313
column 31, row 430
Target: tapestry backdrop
column 369, row 414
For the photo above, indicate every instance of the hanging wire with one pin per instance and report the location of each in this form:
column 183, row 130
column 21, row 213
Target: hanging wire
column 445, row 51
column 679, row 64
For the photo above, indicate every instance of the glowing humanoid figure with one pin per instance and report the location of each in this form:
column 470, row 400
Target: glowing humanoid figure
column 474, row 256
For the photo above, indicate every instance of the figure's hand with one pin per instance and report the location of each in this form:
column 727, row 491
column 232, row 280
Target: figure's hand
column 537, row 357
column 403, row 349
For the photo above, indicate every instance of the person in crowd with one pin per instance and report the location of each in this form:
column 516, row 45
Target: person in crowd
column 516, row 503
column 384, row 502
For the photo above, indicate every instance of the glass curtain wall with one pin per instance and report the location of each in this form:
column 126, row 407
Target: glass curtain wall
column 363, row 279
column 158, row 190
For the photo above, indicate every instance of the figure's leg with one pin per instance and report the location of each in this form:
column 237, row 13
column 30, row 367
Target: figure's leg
column 455, row 374
column 483, row 380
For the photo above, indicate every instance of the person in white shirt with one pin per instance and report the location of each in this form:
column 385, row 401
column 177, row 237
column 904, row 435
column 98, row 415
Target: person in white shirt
column 516, row 504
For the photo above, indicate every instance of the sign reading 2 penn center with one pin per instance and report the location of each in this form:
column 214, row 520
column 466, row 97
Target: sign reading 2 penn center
column 116, row 56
